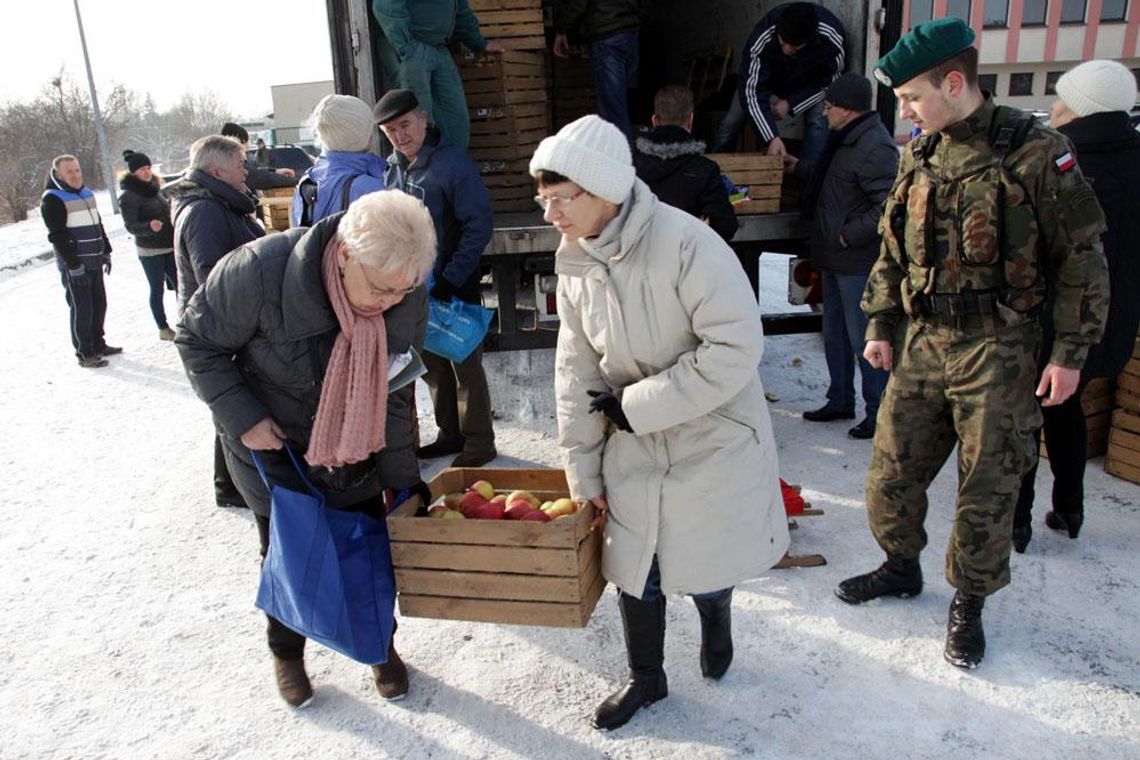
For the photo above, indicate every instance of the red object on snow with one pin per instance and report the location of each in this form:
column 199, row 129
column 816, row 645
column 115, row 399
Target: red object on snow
column 793, row 502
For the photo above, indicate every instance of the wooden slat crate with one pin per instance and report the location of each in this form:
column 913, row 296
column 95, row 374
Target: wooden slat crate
column 1097, row 403
column 478, row 6
column 760, row 173
column 1123, row 456
column 497, row 571
column 500, row 79
column 1128, row 383
column 273, row 209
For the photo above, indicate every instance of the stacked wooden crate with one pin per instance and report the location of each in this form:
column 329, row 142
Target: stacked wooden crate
column 761, row 174
column 1123, row 457
column 510, row 114
column 514, row 24
column 273, row 208
column 1097, row 403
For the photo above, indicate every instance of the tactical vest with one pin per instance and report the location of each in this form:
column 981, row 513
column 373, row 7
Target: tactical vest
column 83, row 224
column 969, row 228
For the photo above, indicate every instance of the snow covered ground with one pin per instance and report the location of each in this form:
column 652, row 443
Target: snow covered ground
column 128, row 628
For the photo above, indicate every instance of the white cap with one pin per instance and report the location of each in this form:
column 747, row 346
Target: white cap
column 1097, row 87
column 591, row 153
column 344, row 123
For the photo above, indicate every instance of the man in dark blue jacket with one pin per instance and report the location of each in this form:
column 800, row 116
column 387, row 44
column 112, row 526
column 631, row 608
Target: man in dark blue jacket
column 427, row 165
column 213, row 215
column 792, row 55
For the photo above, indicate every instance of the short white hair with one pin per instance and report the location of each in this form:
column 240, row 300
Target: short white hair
column 214, row 152
column 391, row 231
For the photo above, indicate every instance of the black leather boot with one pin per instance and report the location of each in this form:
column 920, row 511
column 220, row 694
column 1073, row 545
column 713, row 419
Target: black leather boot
column 895, row 577
column 644, row 626
column 965, row 639
column 1022, row 534
column 716, row 634
column 1069, row 522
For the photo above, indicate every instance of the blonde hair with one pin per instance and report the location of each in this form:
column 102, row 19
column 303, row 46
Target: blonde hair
column 392, row 232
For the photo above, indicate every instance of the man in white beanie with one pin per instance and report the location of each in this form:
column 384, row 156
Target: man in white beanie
column 661, row 413
column 347, row 167
column 1092, row 110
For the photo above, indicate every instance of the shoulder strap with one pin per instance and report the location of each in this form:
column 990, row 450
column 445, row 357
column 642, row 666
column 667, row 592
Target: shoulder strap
column 1010, row 128
column 308, row 191
column 344, row 193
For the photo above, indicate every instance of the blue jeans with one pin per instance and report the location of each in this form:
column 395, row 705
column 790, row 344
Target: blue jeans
column 652, row 590
column 161, row 273
column 814, row 126
column 815, row 133
column 614, row 60
column 844, row 325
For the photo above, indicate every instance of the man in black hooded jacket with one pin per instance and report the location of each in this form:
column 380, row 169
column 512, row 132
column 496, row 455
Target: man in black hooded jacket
column 672, row 163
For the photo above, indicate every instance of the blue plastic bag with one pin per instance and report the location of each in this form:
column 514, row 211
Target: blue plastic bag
column 455, row 329
column 328, row 573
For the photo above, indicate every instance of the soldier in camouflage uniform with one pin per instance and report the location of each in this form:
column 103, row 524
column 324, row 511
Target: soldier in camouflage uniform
column 988, row 214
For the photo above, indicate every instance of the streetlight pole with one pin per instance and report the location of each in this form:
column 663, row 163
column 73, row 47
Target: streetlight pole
column 100, row 131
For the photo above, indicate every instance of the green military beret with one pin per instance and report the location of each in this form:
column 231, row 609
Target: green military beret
column 922, row 48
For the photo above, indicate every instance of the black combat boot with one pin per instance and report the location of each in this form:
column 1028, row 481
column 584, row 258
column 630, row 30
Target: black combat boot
column 644, row 626
column 1065, row 522
column 965, row 639
column 716, row 634
column 1022, row 534
column 895, row 577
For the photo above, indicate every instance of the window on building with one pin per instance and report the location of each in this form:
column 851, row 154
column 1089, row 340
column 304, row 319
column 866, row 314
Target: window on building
column 920, row 11
column 958, row 9
column 1113, row 10
column 1073, row 11
column 1051, row 78
column 988, row 82
column 996, row 13
column 1033, row 12
column 1021, row 84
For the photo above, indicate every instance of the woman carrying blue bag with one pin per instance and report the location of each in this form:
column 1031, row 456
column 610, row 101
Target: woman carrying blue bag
column 289, row 344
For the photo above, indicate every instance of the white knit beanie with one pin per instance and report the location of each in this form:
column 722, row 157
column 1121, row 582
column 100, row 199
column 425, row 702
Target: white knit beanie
column 591, row 153
column 344, row 123
column 1097, row 87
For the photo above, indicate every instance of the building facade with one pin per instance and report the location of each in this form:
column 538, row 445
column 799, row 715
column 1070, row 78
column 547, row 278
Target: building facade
column 1026, row 45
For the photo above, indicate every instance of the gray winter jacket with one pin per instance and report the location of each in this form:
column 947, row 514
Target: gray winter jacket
column 851, row 198
column 256, row 340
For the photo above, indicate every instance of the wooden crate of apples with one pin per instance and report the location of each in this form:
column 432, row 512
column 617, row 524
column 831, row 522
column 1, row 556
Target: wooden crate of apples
column 487, row 551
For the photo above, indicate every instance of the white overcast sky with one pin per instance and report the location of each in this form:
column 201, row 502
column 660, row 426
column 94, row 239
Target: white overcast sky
column 167, row 47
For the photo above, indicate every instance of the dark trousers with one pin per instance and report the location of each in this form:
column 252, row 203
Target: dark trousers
column 284, row 642
column 614, row 60
column 224, row 488
column 462, row 400
column 161, row 274
column 1066, row 439
column 844, row 325
column 87, row 304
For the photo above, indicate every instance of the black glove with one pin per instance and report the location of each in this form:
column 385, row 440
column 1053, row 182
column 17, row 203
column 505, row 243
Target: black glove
column 421, row 489
column 106, row 264
column 442, row 290
column 608, row 404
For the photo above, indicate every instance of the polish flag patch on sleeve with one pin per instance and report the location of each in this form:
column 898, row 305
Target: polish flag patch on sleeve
column 1065, row 163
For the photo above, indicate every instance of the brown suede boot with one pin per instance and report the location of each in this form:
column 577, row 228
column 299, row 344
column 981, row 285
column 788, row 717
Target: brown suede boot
column 392, row 677
column 293, row 682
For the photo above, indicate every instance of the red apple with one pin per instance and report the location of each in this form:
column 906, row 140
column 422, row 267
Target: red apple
column 484, row 488
column 469, row 501
column 516, row 509
column 499, row 499
column 536, row 515
column 489, row 510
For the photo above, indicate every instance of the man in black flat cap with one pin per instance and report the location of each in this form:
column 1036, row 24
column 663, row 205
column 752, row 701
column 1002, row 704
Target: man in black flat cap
column 792, row 55
column 426, row 164
column 989, row 228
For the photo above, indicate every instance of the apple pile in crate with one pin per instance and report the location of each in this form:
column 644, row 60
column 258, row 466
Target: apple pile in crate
column 480, row 502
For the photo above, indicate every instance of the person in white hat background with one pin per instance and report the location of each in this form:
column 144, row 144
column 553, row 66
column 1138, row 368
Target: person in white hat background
column 1094, row 100
column 347, row 167
column 662, row 418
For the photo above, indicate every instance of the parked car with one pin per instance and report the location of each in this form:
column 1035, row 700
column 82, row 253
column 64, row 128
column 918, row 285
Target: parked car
column 286, row 157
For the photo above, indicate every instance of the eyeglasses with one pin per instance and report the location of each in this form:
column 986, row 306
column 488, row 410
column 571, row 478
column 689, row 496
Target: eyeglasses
column 557, row 202
column 383, row 292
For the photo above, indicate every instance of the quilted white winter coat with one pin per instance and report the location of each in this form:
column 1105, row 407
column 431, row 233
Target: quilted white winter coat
column 658, row 311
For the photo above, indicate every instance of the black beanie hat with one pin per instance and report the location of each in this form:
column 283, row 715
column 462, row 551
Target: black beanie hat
column 236, row 131
column 135, row 161
column 798, row 23
column 851, row 91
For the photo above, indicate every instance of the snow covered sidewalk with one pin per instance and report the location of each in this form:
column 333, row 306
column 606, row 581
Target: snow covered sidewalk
column 128, row 628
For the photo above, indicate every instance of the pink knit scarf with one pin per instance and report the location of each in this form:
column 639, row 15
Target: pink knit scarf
column 349, row 425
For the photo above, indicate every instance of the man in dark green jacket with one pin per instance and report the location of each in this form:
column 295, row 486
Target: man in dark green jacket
column 415, row 57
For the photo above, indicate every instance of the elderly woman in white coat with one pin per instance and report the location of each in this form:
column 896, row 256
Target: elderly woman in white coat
column 661, row 412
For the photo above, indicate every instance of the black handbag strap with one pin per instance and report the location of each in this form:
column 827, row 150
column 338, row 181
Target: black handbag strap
column 296, row 466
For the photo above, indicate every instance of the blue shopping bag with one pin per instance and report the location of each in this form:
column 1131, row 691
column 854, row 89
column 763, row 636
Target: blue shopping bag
column 455, row 329
column 328, row 573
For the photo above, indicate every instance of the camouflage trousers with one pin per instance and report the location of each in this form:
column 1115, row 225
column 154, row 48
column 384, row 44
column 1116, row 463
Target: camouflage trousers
column 972, row 386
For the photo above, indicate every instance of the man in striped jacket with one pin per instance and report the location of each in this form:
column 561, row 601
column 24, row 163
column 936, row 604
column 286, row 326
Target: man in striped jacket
column 792, row 55
column 83, row 256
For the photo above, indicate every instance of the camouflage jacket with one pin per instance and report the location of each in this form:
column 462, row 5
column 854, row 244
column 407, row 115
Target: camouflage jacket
column 1025, row 226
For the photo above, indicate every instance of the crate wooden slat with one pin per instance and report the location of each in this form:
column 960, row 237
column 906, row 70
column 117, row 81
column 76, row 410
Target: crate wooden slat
column 498, row 571
column 499, row 139
column 521, row 43
column 492, row 18
column 503, row 152
column 479, row 6
column 762, row 174
column 1123, row 456
column 506, row 97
